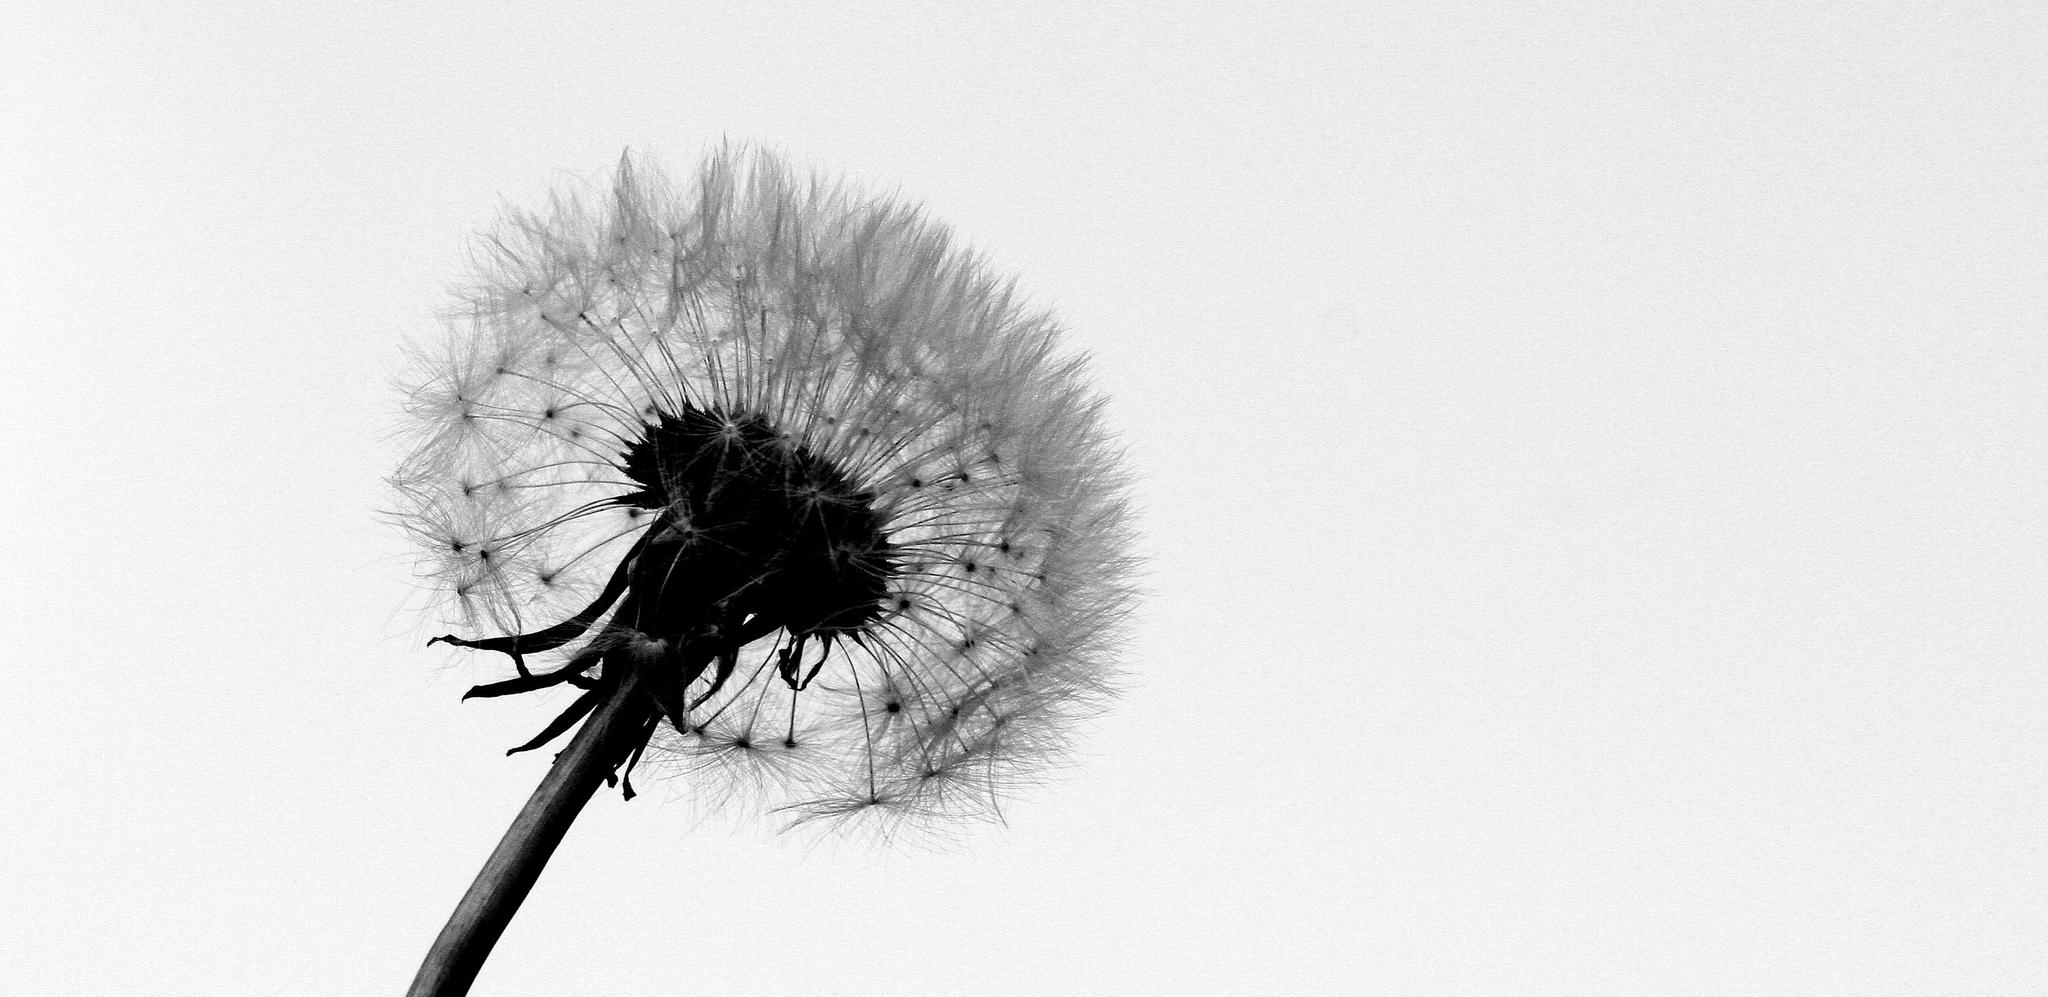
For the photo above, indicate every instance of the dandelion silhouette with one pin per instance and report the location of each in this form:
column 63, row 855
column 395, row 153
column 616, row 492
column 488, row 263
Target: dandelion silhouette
column 790, row 489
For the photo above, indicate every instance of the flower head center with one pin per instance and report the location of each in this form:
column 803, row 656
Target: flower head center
column 776, row 532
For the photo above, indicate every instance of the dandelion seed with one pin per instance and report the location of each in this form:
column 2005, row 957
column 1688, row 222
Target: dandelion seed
column 725, row 458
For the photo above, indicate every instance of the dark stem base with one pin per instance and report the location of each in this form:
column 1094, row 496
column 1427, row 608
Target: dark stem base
column 611, row 732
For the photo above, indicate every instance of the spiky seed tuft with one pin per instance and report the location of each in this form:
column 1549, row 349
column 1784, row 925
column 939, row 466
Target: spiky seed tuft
column 769, row 409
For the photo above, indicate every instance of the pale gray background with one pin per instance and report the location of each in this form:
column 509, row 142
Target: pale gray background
column 1592, row 459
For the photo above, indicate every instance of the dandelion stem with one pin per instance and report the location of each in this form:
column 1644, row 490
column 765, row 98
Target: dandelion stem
column 458, row 953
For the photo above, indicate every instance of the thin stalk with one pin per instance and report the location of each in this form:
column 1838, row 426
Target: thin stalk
column 458, row 953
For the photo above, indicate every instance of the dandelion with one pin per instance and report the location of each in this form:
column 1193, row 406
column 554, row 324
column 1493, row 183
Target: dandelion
column 802, row 501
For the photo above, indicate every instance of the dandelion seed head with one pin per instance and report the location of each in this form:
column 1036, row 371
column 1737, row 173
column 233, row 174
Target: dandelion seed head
column 843, row 506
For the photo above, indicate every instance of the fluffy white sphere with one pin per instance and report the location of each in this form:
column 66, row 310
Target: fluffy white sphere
column 839, row 333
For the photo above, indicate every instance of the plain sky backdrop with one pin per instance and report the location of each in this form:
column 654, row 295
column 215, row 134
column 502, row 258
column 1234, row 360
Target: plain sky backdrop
column 1592, row 460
